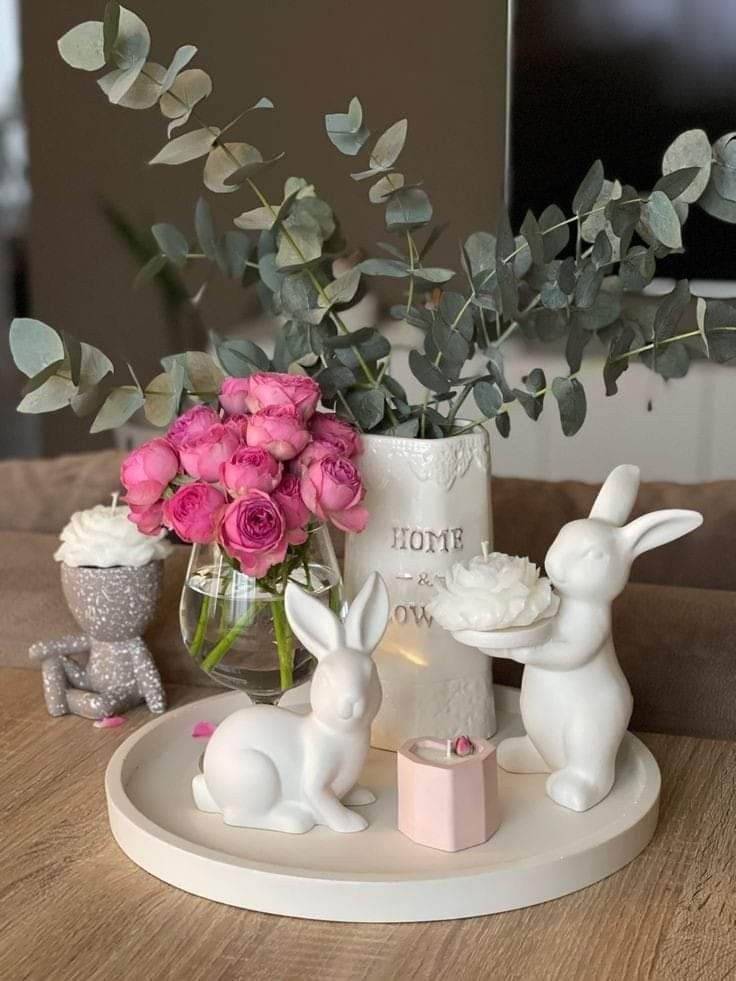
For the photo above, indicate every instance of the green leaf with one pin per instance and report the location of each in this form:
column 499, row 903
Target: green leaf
column 55, row 393
column 181, row 59
column 388, row 146
column 188, row 147
column 488, row 397
column 346, row 130
column 670, row 310
column 84, row 46
column 717, row 206
column 171, row 242
column 118, row 407
column 110, row 27
column 408, row 429
column 258, row 219
column 602, row 252
column 205, row 231
column 241, row 357
column 408, row 208
column 720, row 328
column 690, row 149
column 252, row 167
column 385, row 187
column 342, row 289
column 426, row 373
column 660, row 219
column 335, row 378
column 203, row 373
column 94, row 367
column 302, row 245
column 555, row 238
column 149, row 271
column 299, row 298
column 236, row 249
column 624, row 211
column 480, row 250
column 34, row 345
column 43, row 376
column 531, row 402
column 373, row 347
column 503, row 424
column 434, row 275
column 596, row 221
column 567, row 275
column 604, row 311
column 677, row 182
column 188, row 89
column 613, row 369
column 588, row 284
column 671, row 361
column 226, row 160
column 144, row 91
column 162, row 396
column 508, row 290
column 396, row 268
column 590, row 187
column 129, row 53
column 701, row 307
column 532, row 234
column 637, row 268
column 368, row 407
column 571, row 403
column 72, row 357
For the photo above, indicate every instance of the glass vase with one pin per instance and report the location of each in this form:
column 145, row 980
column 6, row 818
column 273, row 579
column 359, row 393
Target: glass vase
column 234, row 626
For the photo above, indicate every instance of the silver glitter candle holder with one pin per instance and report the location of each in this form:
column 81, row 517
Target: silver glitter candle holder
column 113, row 606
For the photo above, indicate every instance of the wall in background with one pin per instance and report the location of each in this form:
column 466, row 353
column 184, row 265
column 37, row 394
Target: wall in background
column 444, row 69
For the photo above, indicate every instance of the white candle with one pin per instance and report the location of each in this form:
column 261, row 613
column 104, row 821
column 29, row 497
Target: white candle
column 104, row 536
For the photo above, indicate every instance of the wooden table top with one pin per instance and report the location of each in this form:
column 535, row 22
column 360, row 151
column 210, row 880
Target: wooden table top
column 73, row 906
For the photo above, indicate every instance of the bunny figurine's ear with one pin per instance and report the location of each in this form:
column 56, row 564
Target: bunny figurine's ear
column 617, row 496
column 658, row 528
column 313, row 622
column 367, row 617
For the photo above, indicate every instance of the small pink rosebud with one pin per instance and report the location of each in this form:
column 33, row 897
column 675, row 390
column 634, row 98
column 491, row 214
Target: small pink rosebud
column 462, row 746
column 110, row 722
column 203, row 730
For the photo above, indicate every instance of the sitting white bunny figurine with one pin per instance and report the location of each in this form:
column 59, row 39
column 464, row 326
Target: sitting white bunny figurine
column 267, row 767
column 575, row 701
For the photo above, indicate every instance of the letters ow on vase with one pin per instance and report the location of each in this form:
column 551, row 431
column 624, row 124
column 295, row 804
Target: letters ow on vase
column 267, row 767
column 575, row 701
column 427, row 499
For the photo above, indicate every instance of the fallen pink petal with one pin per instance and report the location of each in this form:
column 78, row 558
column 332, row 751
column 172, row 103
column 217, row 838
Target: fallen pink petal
column 110, row 722
column 203, row 730
column 463, row 746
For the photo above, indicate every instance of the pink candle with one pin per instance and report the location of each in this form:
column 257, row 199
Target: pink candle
column 447, row 801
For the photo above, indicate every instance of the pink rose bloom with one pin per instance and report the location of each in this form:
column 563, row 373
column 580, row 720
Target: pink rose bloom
column 250, row 468
column 326, row 427
column 278, row 429
column 274, row 388
column 237, row 424
column 147, row 472
column 194, row 511
column 288, row 496
column 194, row 422
column 203, row 455
column 316, row 450
column 148, row 520
column 253, row 531
column 233, row 395
column 332, row 489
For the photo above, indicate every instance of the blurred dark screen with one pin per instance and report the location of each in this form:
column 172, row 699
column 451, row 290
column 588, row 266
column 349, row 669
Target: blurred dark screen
column 619, row 79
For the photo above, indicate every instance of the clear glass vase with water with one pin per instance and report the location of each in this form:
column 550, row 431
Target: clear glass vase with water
column 235, row 627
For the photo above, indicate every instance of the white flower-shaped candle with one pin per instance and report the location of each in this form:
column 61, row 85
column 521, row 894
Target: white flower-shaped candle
column 495, row 601
column 103, row 537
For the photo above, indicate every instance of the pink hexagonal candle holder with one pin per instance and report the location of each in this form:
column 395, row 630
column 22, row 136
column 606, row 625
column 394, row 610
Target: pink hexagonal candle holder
column 447, row 800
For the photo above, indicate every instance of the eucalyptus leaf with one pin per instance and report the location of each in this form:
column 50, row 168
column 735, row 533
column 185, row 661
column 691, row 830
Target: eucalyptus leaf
column 408, row 208
column 188, row 89
column 659, row 217
column 235, row 250
column 670, row 310
column 55, row 393
column 73, row 357
column 130, row 53
column 555, row 234
column 588, row 284
column 701, row 307
column 145, row 90
column 252, row 167
column 162, row 396
column 604, row 311
column 669, row 361
column 300, row 241
column 533, row 236
column 637, row 268
column 433, row 275
column 590, row 187
column 503, row 424
column 383, row 188
column 602, row 251
column 488, row 397
column 118, row 407
column 335, row 378
column 34, row 345
column 240, row 357
column 181, row 59
column 205, row 231
column 717, row 206
column 388, row 146
column 690, row 149
column 623, row 211
column 677, row 182
column 342, row 289
column 720, row 329
column 94, row 366
column 171, row 242
column 395, row 268
column 346, row 130
column 409, row 429
column 368, row 406
column 110, row 27
column 226, row 160
column 204, row 374
column 574, row 347
column 257, row 219
column 190, row 146
column 426, row 373
column 84, row 46
column 149, row 271
column 616, row 364
column 571, row 403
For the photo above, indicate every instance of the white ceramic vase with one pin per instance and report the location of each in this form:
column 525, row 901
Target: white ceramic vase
column 430, row 506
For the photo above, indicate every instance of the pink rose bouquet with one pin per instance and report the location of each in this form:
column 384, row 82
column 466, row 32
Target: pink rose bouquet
column 252, row 476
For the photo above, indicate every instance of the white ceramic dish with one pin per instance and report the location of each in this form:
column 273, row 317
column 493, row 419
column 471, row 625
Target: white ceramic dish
column 540, row 851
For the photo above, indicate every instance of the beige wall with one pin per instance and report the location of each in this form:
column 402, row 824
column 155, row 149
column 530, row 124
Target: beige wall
column 441, row 66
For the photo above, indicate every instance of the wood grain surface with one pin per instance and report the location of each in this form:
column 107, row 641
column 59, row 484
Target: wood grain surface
column 73, row 906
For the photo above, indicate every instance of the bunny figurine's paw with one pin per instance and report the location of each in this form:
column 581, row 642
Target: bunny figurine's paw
column 519, row 755
column 359, row 796
column 347, row 822
column 571, row 789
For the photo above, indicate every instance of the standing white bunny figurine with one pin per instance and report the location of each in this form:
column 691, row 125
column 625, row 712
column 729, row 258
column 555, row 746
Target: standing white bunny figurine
column 575, row 701
column 267, row 767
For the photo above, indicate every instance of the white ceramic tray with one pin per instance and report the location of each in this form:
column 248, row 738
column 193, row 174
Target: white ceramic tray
column 540, row 852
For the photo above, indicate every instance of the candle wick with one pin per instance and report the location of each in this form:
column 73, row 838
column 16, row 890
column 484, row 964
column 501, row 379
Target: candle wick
column 115, row 495
column 484, row 549
column 449, row 749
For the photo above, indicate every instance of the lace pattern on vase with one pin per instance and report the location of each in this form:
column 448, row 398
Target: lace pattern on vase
column 440, row 462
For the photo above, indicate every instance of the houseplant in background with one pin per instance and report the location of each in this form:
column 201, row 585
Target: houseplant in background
column 574, row 277
column 249, row 486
